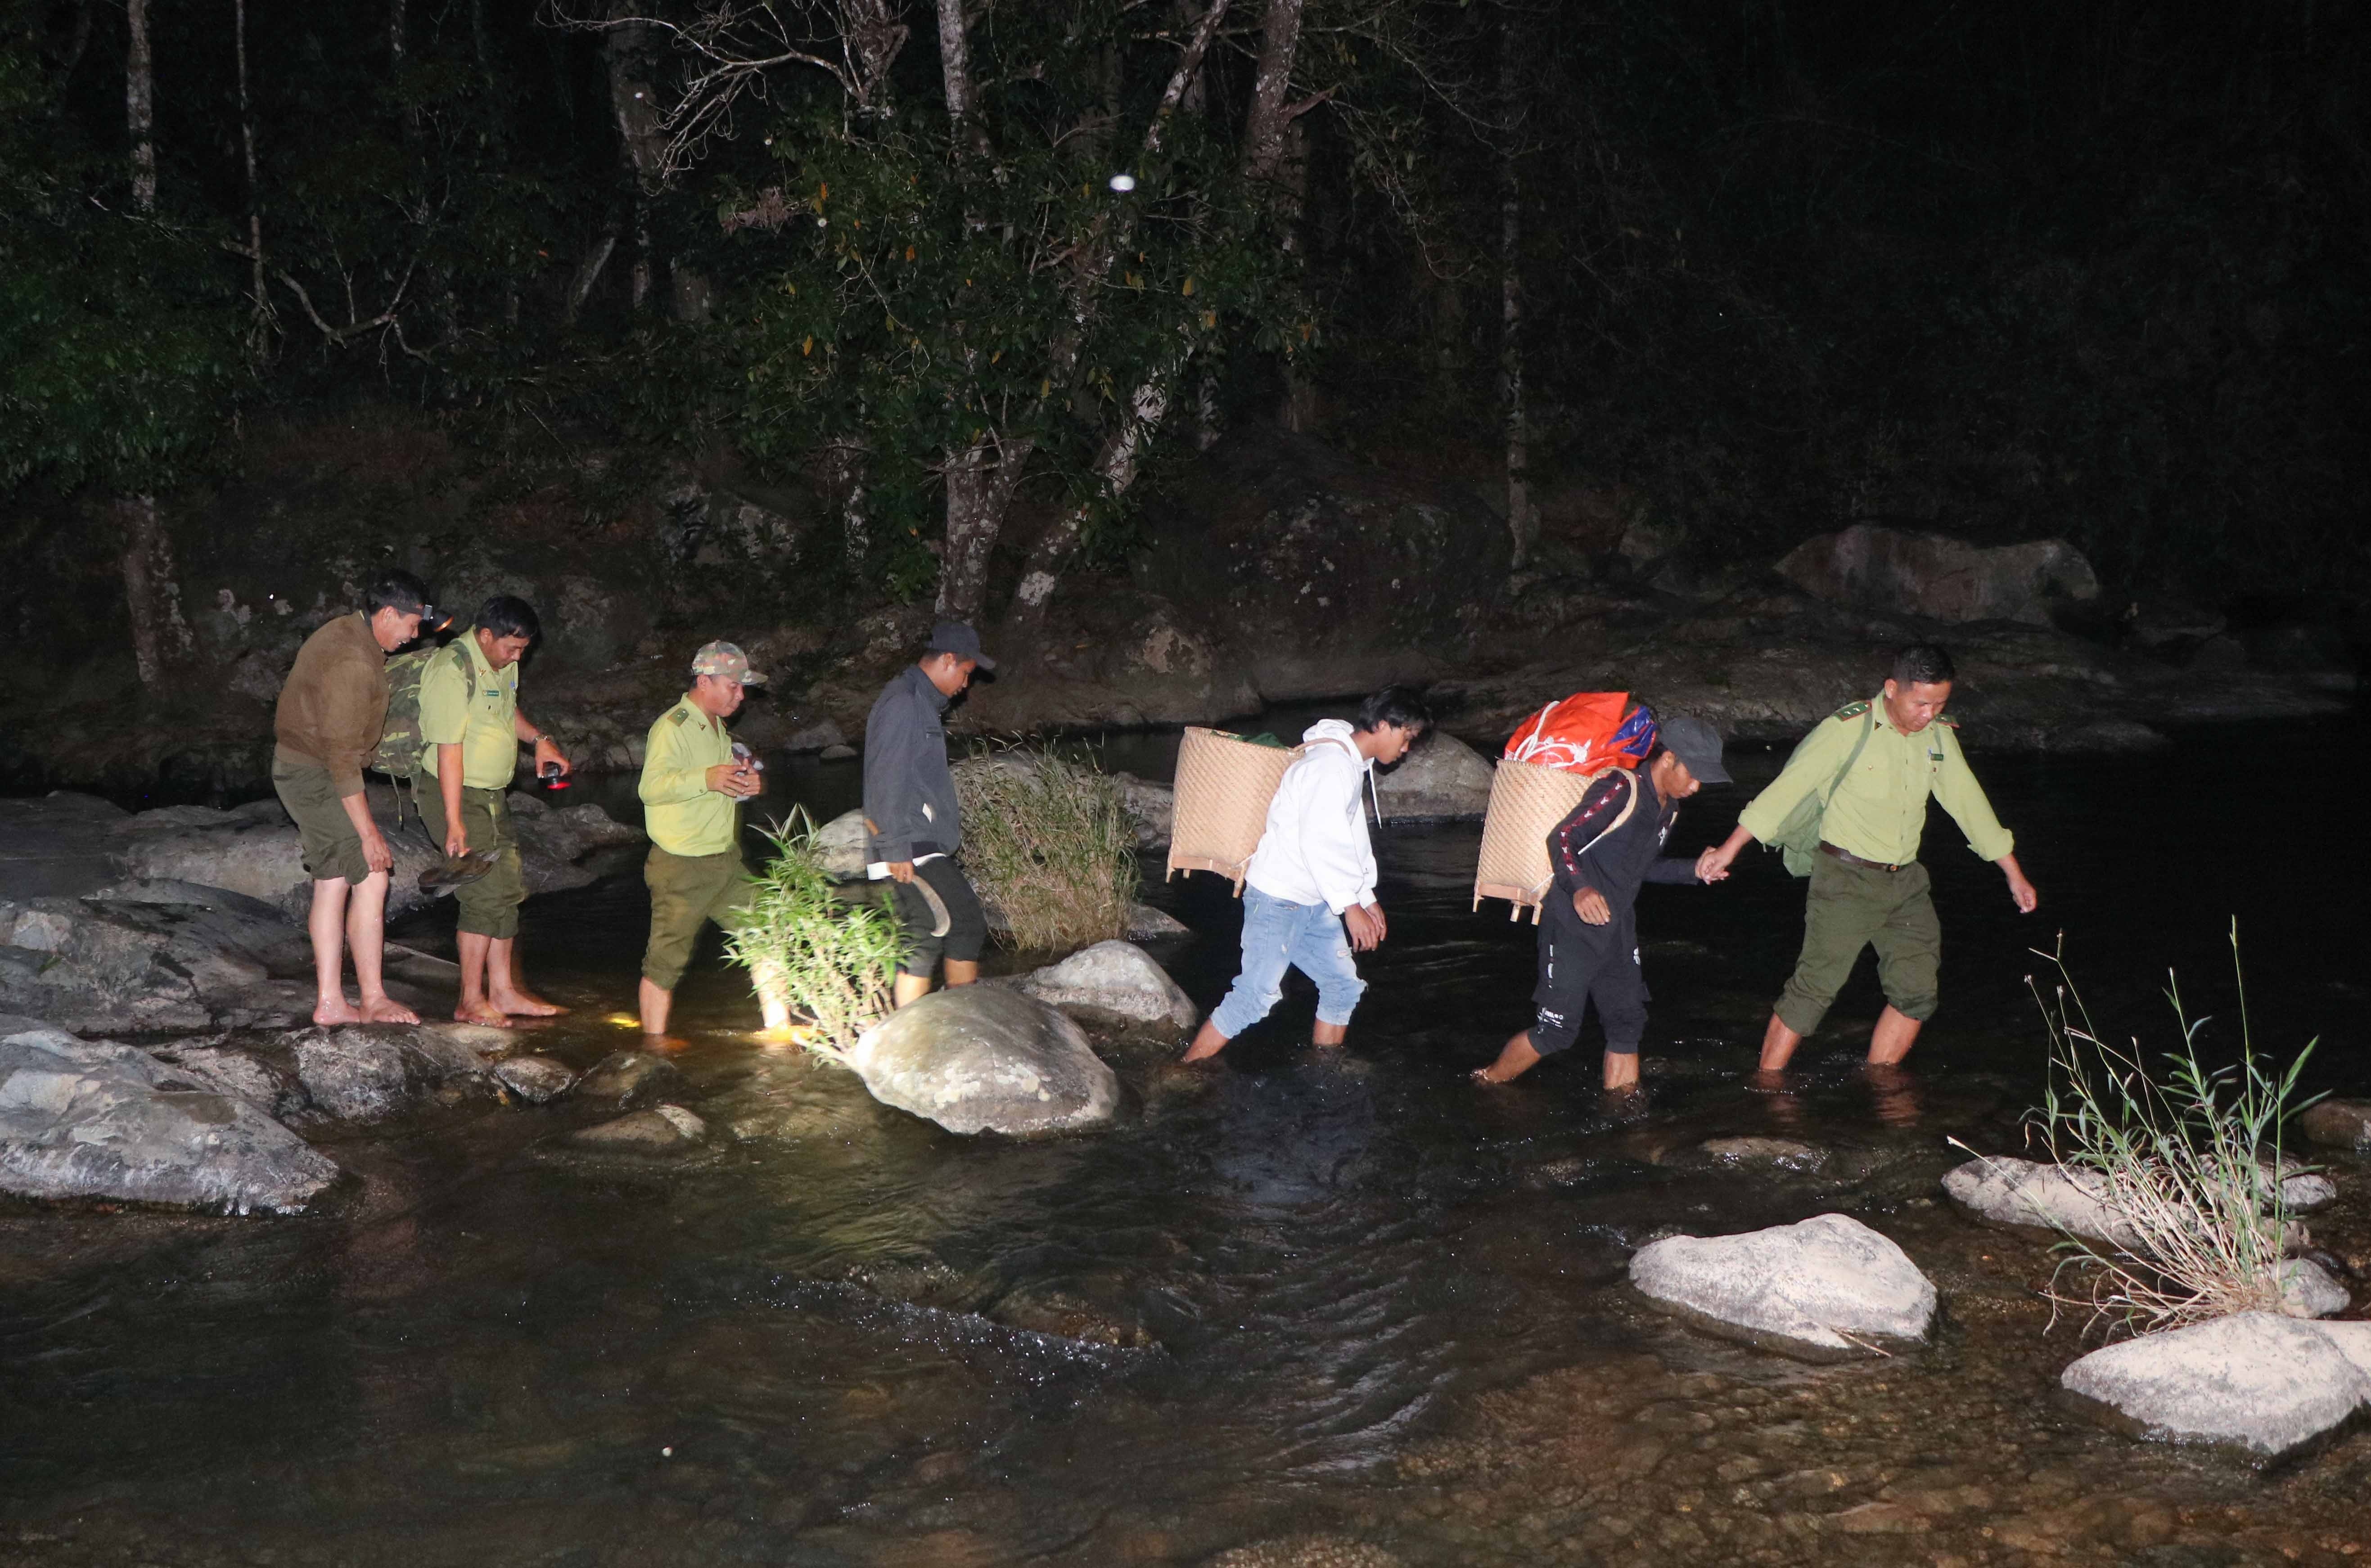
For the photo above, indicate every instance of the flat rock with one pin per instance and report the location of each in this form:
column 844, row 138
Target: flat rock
column 2309, row 1291
column 535, row 1079
column 1146, row 924
column 93, row 1119
column 1816, row 1288
column 1442, row 778
column 2003, row 1190
column 662, row 1129
column 630, row 1077
column 2308, row 1191
column 367, row 1072
column 162, row 958
column 987, row 1058
column 1113, row 982
column 2257, row 1381
column 2337, row 1123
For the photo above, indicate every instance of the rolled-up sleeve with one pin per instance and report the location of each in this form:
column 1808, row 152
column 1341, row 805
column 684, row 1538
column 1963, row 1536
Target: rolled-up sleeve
column 1956, row 789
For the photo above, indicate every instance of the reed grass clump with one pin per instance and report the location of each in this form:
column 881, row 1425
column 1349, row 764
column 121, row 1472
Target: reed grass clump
column 2187, row 1165
column 1049, row 841
column 834, row 962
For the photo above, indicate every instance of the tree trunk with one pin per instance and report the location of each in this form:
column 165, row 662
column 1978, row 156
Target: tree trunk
column 979, row 496
column 625, row 53
column 1116, row 469
column 844, row 470
column 1276, row 154
column 152, row 591
column 140, row 107
column 1523, row 523
column 588, row 274
column 259, row 327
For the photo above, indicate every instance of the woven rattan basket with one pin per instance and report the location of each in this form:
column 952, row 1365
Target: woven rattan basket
column 1526, row 802
column 1224, row 785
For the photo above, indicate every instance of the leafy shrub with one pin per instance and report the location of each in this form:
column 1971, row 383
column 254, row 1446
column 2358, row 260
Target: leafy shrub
column 1048, row 840
column 2188, row 1169
column 834, row 962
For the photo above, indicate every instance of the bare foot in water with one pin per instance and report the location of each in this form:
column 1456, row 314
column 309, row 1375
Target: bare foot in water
column 386, row 1009
column 525, row 1004
column 1208, row 1043
column 339, row 1011
column 485, row 1013
column 1518, row 1058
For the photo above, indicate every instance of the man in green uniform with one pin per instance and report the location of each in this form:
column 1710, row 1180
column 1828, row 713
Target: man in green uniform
column 326, row 726
column 692, row 787
column 470, row 727
column 1877, row 763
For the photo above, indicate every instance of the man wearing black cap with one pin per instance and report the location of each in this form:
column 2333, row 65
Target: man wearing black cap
column 911, row 825
column 1588, row 930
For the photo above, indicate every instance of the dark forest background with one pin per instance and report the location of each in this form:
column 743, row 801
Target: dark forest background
column 1742, row 269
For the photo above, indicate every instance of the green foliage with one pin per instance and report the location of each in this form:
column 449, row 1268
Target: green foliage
column 834, row 962
column 1048, row 838
column 2187, row 1168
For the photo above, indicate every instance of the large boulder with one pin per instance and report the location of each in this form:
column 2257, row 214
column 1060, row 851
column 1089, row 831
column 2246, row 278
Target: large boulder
column 93, row 1119
column 369, row 1072
column 841, row 843
column 1821, row 1289
column 1442, row 779
column 57, row 846
column 2003, row 1190
column 151, row 959
column 1113, row 983
column 986, row 1058
column 2337, row 1123
column 2257, row 1381
column 1888, row 572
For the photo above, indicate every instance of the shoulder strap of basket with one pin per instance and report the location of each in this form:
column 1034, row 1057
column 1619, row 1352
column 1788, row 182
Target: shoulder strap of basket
column 1609, row 830
column 1868, row 728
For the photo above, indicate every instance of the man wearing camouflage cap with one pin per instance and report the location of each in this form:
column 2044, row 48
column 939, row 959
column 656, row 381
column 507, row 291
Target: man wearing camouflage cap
column 692, row 787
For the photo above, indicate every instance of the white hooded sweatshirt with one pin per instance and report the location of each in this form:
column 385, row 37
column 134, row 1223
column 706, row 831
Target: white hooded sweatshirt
column 1315, row 850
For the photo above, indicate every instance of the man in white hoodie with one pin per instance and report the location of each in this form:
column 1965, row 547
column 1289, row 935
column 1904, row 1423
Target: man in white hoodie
column 1313, row 875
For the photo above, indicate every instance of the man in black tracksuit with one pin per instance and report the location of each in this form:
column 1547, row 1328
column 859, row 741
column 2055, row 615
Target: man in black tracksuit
column 912, row 827
column 1588, row 930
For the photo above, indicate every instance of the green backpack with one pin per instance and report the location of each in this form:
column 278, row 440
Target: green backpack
column 399, row 744
column 1798, row 839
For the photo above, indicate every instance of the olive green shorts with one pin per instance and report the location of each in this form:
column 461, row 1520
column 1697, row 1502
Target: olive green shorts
column 1851, row 907
column 489, row 906
column 684, row 891
column 333, row 849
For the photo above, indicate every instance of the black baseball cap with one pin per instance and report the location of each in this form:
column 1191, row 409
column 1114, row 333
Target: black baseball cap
column 955, row 637
column 1697, row 745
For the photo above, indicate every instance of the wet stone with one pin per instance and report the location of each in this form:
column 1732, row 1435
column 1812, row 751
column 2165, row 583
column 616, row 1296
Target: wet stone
column 2337, row 1123
column 2007, row 1190
column 663, row 1129
column 987, row 1058
column 630, row 1077
column 2306, row 1192
column 535, row 1079
column 1115, row 983
column 2309, row 1291
column 1307, row 1552
column 1784, row 1153
column 369, row 1072
column 2256, row 1381
column 1820, row 1288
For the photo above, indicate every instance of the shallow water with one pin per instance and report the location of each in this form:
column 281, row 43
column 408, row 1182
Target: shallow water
column 1343, row 1295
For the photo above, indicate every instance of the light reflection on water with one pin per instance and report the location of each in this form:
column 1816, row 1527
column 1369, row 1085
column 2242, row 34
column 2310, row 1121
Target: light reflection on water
column 867, row 1340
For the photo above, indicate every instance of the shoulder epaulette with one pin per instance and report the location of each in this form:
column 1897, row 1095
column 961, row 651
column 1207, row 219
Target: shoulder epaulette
column 1949, row 723
column 678, row 715
column 1850, row 711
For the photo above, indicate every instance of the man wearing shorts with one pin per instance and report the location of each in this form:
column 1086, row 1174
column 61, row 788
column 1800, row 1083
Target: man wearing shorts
column 692, row 787
column 910, row 818
column 471, row 728
column 326, row 726
column 1604, row 852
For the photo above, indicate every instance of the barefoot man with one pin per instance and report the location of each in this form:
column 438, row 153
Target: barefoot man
column 326, row 727
column 692, row 787
column 471, row 728
column 1313, row 877
column 1874, row 765
column 1610, row 845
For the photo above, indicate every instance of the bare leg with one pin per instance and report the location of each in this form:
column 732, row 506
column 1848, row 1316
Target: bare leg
column 366, row 938
column 474, row 1007
column 1207, row 1042
column 1519, row 1056
column 961, row 972
column 909, row 989
column 1324, row 1033
column 1778, row 1044
column 1621, row 1071
column 654, row 1004
column 1891, row 1039
column 327, row 925
column 1895, row 1094
column 503, row 987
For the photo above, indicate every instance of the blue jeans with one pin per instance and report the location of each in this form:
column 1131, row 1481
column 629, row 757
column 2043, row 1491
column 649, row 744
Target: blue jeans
column 1276, row 935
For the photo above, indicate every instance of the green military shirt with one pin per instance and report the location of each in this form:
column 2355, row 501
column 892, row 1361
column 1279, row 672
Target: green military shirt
column 681, row 812
column 484, row 726
column 1880, row 810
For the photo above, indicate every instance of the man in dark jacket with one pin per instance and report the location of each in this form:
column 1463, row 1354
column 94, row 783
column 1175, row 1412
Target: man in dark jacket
column 912, row 826
column 1588, row 930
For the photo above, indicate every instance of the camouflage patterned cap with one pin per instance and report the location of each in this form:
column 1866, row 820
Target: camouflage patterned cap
column 725, row 661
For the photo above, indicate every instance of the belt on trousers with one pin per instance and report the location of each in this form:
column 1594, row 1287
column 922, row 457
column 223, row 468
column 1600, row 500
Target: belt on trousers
column 1849, row 858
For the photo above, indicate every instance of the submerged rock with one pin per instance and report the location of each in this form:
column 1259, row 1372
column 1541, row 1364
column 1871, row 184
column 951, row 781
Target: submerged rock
column 986, row 1058
column 1440, row 779
column 367, row 1072
column 663, row 1129
column 1784, row 1153
column 93, row 1119
column 1820, row 1287
column 1307, row 1552
column 2309, row 1291
column 2008, row 1191
column 630, row 1077
column 2258, row 1381
column 535, row 1079
column 1115, row 983
column 2337, row 1123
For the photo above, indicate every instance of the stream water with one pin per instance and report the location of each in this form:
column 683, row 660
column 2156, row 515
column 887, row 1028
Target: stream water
column 1307, row 1309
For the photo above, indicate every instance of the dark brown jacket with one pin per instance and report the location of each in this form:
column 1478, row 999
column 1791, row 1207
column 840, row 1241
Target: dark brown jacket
column 334, row 705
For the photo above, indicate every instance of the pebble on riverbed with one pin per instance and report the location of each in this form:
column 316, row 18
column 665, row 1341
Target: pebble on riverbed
column 1307, row 1552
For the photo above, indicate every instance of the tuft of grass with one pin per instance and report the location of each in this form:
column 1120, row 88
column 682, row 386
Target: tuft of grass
column 2188, row 1167
column 1048, row 840
column 834, row 962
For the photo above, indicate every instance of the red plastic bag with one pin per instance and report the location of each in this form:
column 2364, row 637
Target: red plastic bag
column 1587, row 732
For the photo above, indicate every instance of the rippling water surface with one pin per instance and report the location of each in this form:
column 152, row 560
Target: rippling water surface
column 1287, row 1296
